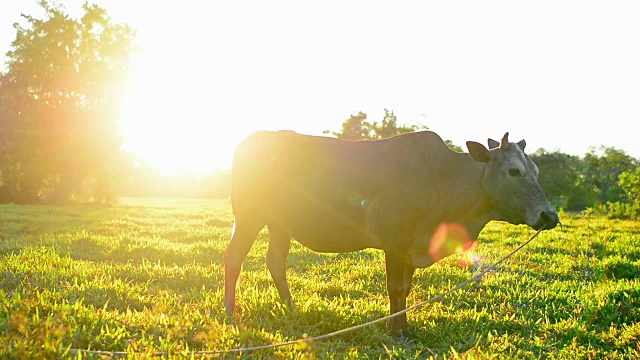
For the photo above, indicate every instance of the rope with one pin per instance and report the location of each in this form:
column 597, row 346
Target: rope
column 476, row 278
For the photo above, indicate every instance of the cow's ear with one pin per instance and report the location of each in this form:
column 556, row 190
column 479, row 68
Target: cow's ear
column 478, row 152
column 493, row 144
column 522, row 144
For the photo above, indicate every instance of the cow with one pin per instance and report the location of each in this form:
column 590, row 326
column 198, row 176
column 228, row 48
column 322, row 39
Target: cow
column 394, row 194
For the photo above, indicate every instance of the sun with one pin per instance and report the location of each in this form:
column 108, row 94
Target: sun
column 187, row 148
column 174, row 132
column 188, row 103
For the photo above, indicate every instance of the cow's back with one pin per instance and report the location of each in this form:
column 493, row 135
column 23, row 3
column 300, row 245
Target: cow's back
column 324, row 191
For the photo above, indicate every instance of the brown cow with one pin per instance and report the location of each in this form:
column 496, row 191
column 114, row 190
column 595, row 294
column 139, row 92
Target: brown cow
column 338, row 196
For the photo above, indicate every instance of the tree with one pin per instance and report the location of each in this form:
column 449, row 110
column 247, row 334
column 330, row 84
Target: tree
column 558, row 177
column 630, row 183
column 355, row 127
column 454, row 147
column 601, row 170
column 58, row 101
column 388, row 127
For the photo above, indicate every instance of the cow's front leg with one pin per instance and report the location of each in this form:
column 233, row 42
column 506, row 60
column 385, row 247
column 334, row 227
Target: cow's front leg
column 399, row 275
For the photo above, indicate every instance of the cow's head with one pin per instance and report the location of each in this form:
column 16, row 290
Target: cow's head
column 510, row 183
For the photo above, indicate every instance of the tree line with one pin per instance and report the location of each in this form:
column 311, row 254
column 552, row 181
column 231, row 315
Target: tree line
column 605, row 179
column 59, row 142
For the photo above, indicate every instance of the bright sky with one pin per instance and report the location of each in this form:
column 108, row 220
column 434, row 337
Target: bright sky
column 561, row 74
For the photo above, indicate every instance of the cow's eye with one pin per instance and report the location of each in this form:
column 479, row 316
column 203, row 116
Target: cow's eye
column 515, row 172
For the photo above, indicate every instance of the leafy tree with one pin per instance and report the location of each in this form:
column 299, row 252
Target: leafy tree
column 355, row 127
column 630, row 183
column 58, row 104
column 388, row 127
column 454, row 147
column 600, row 172
column 558, row 177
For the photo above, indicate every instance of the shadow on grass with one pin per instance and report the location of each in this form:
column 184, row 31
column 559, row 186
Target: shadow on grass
column 303, row 320
column 307, row 260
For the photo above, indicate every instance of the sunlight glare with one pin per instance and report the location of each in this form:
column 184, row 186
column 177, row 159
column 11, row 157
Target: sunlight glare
column 451, row 238
column 172, row 130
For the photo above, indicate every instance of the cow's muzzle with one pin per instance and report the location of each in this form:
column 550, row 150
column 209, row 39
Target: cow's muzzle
column 548, row 219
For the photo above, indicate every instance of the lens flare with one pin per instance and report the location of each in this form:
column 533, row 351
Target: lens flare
column 354, row 198
column 449, row 239
column 469, row 257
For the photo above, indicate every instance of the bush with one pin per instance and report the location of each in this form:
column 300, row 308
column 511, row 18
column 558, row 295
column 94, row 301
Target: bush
column 619, row 210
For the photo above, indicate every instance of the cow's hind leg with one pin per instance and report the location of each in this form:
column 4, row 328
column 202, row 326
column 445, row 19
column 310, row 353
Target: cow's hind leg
column 399, row 275
column 408, row 279
column 244, row 234
column 279, row 242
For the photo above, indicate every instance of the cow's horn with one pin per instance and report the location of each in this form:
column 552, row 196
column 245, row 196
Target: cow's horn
column 505, row 141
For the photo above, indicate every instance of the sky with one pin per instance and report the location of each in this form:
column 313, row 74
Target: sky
column 563, row 75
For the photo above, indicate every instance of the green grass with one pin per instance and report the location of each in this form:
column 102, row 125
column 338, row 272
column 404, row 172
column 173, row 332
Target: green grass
column 146, row 276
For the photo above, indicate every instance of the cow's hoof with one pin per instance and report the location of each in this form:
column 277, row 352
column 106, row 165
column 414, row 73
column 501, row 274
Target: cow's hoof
column 229, row 319
column 230, row 314
column 408, row 334
column 290, row 303
column 403, row 334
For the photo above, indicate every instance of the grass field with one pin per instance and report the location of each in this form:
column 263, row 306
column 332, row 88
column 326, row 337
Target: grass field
column 146, row 276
